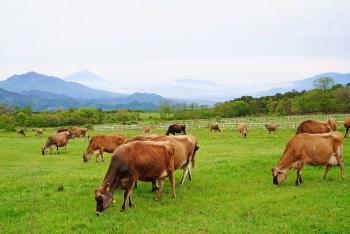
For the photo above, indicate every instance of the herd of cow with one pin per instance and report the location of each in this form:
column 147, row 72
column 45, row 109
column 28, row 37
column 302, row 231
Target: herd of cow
column 152, row 157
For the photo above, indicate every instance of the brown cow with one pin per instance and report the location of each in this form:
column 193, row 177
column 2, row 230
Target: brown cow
column 146, row 129
column 242, row 129
column 21, row 132
column 311, row 126
column 62, row 130
column 271, row 127
column 185, row 151
column 58, row 140
column 214, row 127
column 79, row 132
column 39, row 132
column 314, row 149
column 347, row 125
column 176, row 128
column 103, row 143
column 139, row 160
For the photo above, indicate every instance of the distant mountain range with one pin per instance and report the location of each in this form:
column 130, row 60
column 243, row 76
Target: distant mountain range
column 305, row 84
column 44, row 92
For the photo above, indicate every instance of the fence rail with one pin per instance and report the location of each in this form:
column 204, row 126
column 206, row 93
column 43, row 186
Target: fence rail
column 255, row 122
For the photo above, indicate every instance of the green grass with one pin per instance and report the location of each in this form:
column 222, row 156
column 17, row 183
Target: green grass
column 232, row 190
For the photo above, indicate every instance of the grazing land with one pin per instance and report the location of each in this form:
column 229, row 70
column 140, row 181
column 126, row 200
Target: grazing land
column 232, row 190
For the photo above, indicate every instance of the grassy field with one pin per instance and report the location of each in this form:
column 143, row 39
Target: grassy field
column 232, row 190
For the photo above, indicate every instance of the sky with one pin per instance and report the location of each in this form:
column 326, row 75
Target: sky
column 145, row 42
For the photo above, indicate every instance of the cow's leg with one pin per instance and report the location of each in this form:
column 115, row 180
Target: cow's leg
column 346, row 133
column 102, row 156
column 65, row 147
column 340, row 162
column 130, row 200
column 58, row 152
column 160, row 183
column 127, row 194
column 50, row 150
column 326, row 169
column 154, row 186
column 185, row 172
column 189, row 173
column 172, row 182
column 299, row 180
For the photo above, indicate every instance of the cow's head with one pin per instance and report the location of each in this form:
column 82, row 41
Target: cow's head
column 103, row 198
column 278, row 176
column 86, row 157
column 245, row 133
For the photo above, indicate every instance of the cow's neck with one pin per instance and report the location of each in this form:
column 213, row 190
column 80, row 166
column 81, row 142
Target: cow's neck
column 111, row 179
column 286, row 161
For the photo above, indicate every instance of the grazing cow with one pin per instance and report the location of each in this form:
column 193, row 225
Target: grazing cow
column 271, row 127
column 103, row 143
column 58, row 140
column 21, row 132
column 311, row 126
column 347, row 125
column 146, row 129
column 38, row 132
column 176, row 128
column 243, row 129
column 78, row 132
column 185, row 151
column 62, row 130
column 314, row 149
column 139, row 160
column 214, row 127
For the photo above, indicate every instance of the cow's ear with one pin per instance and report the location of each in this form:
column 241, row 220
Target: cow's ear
column 107, row 187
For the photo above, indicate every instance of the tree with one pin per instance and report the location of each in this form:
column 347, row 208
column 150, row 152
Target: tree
column 323, row 83
column 164, row 110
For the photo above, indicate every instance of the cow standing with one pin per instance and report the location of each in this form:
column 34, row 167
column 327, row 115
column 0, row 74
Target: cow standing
column 58, row 139
column 176, row 128
column 243, row 130
column 21, row 132
column 39, row 132
column 147, row 129
column 314, row 149
column 140, row 160
column 271, row 127
column 102, row 143
column 214, row 127
column 79, row 132
column 313, row 127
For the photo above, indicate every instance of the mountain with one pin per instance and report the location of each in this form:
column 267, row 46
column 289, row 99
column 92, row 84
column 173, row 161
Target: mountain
column 40, row 100
column 305, row 84
column 84, row 76
column 32, row 89
column 36, row 81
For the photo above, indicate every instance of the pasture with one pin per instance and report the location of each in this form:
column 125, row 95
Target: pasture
column 232, row 190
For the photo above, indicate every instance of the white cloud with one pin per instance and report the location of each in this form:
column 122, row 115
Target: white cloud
column 229, row 42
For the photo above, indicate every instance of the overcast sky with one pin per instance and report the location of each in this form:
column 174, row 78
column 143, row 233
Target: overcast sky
column 230, row 42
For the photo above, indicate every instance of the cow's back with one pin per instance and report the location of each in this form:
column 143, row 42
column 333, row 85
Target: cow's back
column 143, row 159
column 313, row 127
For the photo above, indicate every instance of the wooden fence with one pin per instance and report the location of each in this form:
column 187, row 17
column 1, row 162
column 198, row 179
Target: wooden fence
column 254, row 122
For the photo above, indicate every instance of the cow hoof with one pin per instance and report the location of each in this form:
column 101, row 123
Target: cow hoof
column 122, row 209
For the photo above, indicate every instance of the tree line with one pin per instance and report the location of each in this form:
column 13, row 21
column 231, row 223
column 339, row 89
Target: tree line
column 327, row 97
